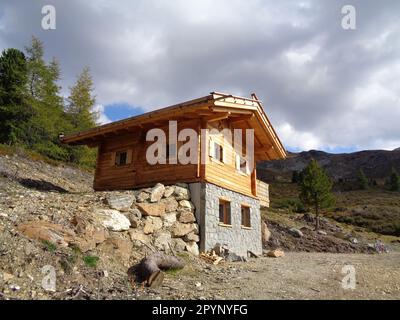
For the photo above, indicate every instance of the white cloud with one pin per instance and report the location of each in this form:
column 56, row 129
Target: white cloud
column 323, row 87
column 103, row 119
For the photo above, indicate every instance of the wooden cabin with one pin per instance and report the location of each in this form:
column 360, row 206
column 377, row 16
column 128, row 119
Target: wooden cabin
column 221, row 168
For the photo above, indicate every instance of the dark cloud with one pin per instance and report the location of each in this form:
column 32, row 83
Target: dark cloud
column 322, row 86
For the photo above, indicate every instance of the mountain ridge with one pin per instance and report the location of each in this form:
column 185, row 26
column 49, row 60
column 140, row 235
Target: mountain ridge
column 376, row 164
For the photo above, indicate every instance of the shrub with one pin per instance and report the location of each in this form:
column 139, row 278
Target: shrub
column 91, row 261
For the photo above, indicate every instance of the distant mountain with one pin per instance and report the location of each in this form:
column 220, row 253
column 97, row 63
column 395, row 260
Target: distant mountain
column 376, row 164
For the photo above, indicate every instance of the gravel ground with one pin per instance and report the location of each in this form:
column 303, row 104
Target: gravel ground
column 298, row 275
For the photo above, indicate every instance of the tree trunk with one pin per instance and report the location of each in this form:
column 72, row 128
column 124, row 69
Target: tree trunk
column 316, row 218
column 149, row 269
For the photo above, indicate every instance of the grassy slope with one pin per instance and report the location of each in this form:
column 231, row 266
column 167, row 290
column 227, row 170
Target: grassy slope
column 367, row 212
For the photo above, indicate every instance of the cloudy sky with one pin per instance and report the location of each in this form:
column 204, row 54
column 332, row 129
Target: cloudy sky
column 322, row 86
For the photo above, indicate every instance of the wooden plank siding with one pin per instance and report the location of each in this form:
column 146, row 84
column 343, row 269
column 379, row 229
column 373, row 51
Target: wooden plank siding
column 225, row 174
column 139, row 173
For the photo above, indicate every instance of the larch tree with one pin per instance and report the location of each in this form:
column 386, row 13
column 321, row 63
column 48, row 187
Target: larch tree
column 81, row 115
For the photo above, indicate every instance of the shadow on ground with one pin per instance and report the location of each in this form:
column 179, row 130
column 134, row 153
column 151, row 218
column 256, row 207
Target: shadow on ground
column 41, row 185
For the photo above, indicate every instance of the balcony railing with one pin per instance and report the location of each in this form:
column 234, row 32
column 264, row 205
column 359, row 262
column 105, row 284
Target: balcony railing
column 263, row 193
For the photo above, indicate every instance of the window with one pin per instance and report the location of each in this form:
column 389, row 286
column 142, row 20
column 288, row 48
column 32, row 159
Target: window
column 245, row 216
column 216, row 151
column 224, row 212
column 121, row 158
column 241, row 164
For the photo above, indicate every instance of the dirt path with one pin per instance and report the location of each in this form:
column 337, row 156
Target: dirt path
column 295, row 276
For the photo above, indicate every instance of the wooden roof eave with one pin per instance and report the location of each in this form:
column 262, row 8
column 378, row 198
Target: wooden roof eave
column 140, row 120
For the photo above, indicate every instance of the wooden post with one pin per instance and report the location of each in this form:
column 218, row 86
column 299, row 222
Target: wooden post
column 201, row 166
column 254, row 181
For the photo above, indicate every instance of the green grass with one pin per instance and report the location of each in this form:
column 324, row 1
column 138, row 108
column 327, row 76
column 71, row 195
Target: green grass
column 49, row 246
column 91, row 261
column 36, row 156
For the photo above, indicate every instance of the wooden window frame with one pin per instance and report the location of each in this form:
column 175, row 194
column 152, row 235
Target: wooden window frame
column 245, row 221
column 239, row 165
column 227, row 212
column 213, row 151
column 116, row 157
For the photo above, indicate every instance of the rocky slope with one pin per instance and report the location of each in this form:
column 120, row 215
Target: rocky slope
column 50, row 218
column 376, row 164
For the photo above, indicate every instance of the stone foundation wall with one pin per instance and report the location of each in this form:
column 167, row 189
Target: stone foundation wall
column 237, row 238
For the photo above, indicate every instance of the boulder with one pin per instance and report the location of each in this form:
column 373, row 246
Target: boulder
column 89, row 233
column 265, row 233
column 46, row 231
column 178, row 244
column 171, row 204
column 162, row 240
column 191, row 237
column 192, row 248
column 139, row 238
column 152, row 209
column 275, row 253
column 152, row 224
column 186, row 205
column 157, row 192
column 135, row 216
column 118, row 247
column 295, row 232
column 322, row 232
column 121, row 202
column 180, row 229
column 181, row 193
column 186, row 217
column 142, row 196
column 169, row 190
column 169, row 219
column 233, row 257
column 112, row 219
column 195, row 228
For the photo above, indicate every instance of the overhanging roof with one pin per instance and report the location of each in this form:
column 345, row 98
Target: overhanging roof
column 213, row 107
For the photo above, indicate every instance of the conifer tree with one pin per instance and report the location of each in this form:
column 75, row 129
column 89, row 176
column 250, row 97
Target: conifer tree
column 315, row 189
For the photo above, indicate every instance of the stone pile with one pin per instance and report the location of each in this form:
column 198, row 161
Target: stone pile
column 161, row 216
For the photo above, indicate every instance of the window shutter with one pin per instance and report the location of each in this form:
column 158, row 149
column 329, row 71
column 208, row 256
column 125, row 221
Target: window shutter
column 129, row 156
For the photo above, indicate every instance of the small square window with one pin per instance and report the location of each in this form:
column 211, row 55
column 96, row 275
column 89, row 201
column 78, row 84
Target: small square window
column 121, row 158
column 245, row 216
column 224, row 212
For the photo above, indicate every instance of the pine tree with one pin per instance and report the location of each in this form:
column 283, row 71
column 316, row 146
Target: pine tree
column 14, row 109
column 362, row 180
column 315, row 189
column 394, row 181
